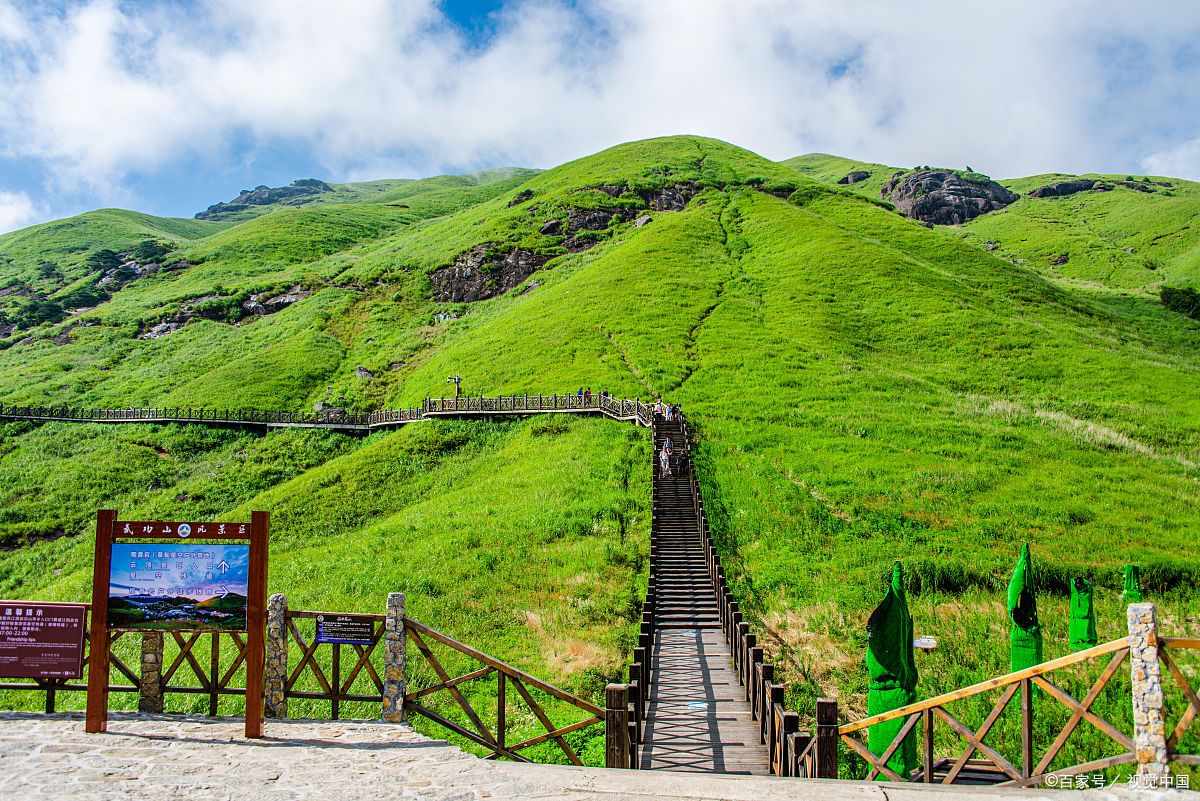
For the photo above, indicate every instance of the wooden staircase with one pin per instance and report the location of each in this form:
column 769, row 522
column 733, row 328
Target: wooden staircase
column 684, row 594
column 697, row 716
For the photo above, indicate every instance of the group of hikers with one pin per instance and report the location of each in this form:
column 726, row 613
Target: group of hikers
column 666, row 454
column 586, row 395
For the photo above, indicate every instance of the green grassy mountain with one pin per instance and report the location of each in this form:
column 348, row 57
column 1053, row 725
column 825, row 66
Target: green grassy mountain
column 864, row 389
column 1135, row 238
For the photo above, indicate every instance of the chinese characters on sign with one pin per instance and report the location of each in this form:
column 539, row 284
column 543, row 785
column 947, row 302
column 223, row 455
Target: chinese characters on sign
column 346, row 629
column 178, row 585
column 41, row 641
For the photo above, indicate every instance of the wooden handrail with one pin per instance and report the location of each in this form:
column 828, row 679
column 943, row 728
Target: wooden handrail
column 504, row 668
column 990, row 684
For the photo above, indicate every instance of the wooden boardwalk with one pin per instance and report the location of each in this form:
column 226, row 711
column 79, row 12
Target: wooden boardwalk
column 698, row 717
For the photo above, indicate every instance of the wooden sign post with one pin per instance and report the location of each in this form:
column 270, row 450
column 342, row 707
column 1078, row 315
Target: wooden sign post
column 185, row 588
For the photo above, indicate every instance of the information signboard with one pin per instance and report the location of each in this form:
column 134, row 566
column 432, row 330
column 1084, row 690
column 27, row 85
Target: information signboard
column 178, row 585
column 41, row 641
column 345, row 629
column 200, row 586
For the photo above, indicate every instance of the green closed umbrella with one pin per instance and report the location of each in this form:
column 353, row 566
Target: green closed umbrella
column 893, row 673
column 1082, row 626
column 1025, row 638
column 1132, row 594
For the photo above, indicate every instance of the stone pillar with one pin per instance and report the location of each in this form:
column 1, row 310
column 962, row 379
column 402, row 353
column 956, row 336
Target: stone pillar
column 1149, row 726
column 275, row 676
column 150, row 691
column 393, row 659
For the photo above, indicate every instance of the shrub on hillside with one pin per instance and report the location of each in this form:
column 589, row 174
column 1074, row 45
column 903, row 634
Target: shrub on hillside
column 150, row 250
column 1184, row 300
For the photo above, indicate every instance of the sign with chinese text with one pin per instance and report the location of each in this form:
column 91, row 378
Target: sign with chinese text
column 178, row 585
column 41, row 641
column 346, row 629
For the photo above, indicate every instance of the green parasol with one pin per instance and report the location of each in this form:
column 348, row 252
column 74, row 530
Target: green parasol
column 893, row 673
column 1083, row 616
column 1025, row 638
column 1132, row 594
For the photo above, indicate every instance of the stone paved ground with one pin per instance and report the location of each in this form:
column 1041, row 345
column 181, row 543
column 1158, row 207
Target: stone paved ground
column 49, row 757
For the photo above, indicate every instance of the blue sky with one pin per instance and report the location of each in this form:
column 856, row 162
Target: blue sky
column 168, row 107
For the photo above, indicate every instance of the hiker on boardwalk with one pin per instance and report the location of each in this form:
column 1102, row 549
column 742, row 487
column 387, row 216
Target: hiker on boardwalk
column 669, row 414
column 664, row 461
column 659, row 409
column 587, row 397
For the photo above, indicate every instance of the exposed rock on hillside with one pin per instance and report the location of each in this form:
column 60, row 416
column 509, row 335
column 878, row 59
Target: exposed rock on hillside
column 224, row 308
column 297, row 193
column 263, row 303
column 854, row 177
column 942, row 197
column 1064, row 188
column 476, row 276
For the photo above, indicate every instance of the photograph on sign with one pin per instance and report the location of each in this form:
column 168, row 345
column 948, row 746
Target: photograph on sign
column 181, row 586
column 41, row 641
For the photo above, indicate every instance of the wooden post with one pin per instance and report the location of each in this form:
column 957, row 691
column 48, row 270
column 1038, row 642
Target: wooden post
column 1026, row 728
column 927, row 725
column 774, row 698
column 97, row 692
column 764, row 701
column 256, row 622
column 789, row 725
column 827, row 739
column 501, row 707
column 616, row 726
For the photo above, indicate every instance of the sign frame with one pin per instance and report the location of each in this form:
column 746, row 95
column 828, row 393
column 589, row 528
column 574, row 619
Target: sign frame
column 108, row 530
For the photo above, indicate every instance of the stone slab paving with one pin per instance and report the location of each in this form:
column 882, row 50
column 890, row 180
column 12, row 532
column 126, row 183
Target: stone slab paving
column 49, row 757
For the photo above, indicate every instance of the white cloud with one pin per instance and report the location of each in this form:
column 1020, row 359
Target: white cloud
column 105, row 90
column 16, row 211
column 1181, row 161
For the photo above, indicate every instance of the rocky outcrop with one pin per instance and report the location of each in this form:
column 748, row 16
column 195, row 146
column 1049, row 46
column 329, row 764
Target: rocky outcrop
column 854, row 177
column 943, row 197
column 670, row 198
column 1063, row 188
column 479, row 274
column 297, row 193
column 225, row 309
column 264, row 303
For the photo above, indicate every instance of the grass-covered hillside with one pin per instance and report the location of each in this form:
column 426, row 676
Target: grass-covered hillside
column 1135, row 238
column 865, row 389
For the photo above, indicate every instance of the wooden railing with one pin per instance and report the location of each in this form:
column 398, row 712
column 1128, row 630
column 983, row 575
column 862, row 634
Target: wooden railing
column 492, row 737
column 1035, row 760
column 619, row 409
column 357, row 680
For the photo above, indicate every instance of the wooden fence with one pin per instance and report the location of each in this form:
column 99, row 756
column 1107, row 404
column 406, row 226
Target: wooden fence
column 211, row 664
column 1037, row 756
column 475, row 405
